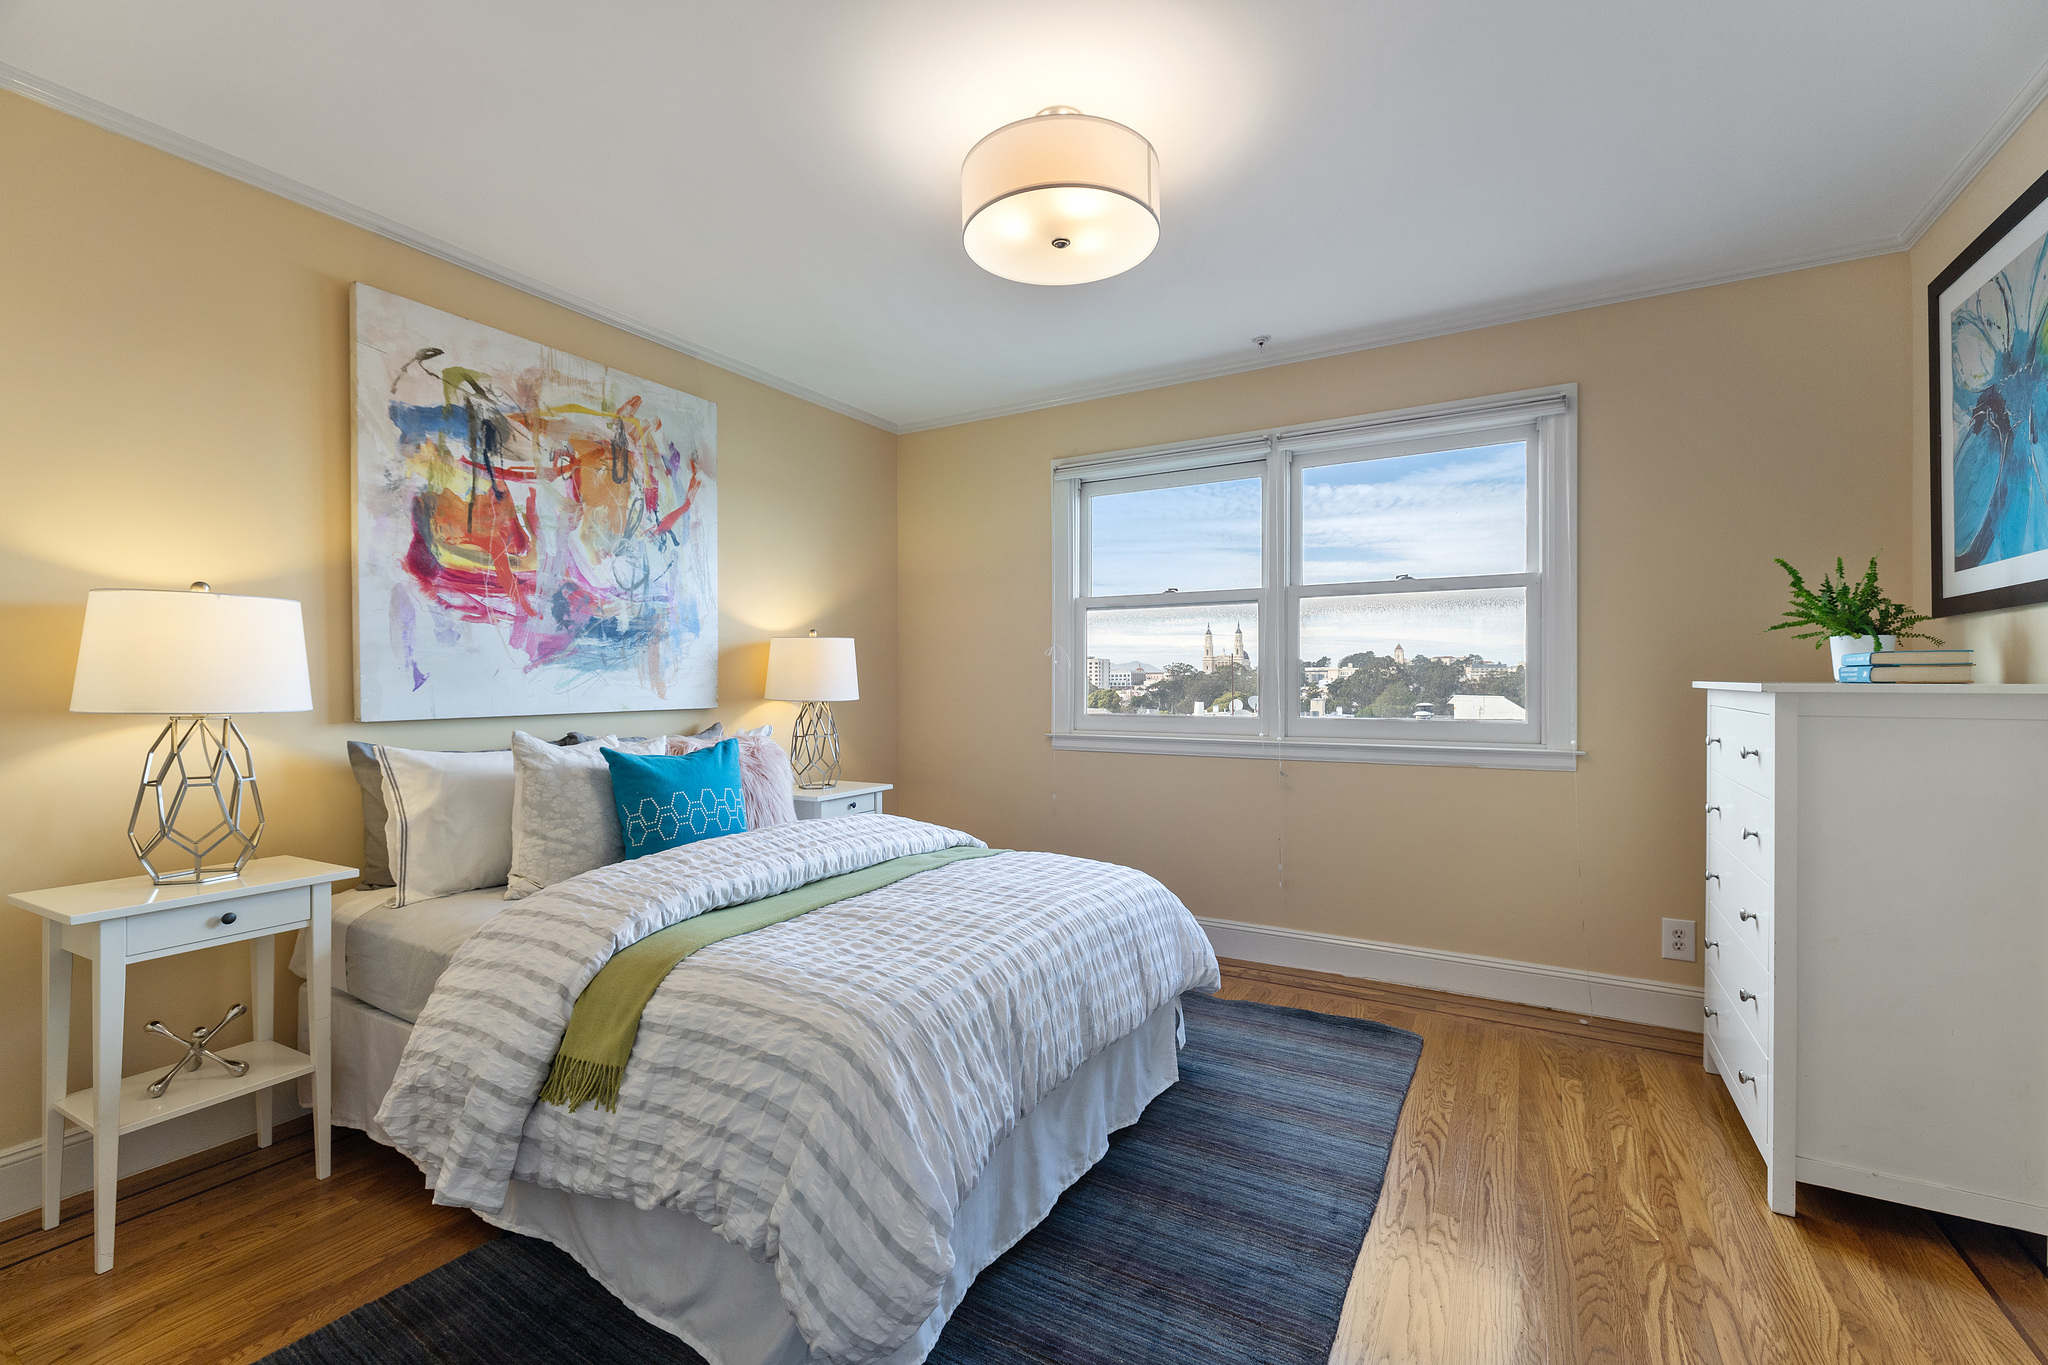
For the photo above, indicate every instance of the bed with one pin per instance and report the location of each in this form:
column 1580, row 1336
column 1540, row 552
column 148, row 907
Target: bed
column 829, row 1126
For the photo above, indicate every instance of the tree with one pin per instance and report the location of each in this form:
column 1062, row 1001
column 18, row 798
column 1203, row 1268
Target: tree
column 1357, row 693
column 1509, row 685
column 1434, row 682
column 1398, row 699
column 1102, row 699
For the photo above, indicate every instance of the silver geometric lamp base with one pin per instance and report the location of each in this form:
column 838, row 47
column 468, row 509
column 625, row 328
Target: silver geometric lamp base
column 814, row 746
column 199, row 791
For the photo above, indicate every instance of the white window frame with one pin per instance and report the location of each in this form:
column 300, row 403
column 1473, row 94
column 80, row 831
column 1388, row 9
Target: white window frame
column 1546, row 419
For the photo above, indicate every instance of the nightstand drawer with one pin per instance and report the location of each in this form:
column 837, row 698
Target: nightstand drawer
column 834, row 807
column 193, row 925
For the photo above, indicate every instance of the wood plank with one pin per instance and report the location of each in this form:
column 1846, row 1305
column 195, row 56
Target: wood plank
column 1557, row 1192
column 2003, row 1262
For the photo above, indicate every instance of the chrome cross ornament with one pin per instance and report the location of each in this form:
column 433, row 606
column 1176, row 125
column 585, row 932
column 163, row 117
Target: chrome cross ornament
column 197, row 1047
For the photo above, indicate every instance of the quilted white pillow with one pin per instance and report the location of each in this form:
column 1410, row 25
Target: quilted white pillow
column 447, row 821
column 563, row 821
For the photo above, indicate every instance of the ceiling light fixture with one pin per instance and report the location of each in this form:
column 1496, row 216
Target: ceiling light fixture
column 1060, row 198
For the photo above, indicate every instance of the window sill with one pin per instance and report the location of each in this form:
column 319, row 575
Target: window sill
column 1325, row 751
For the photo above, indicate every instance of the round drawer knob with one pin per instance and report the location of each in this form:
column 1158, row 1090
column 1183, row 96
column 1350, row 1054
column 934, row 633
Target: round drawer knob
column 1745, row 1078
column 1747, row 995
column 1748, row 914
column 228, row 918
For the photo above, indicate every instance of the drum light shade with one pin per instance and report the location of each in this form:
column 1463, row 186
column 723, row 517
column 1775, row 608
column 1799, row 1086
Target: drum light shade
column 810, row 668
column 190, row 654
column 1060, row 198
column 198, row 657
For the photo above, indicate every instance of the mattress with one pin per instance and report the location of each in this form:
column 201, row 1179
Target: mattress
column 390, row 956
column 678, row 1273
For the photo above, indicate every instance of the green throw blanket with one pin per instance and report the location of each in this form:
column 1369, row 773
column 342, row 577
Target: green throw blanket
column 591, row 1062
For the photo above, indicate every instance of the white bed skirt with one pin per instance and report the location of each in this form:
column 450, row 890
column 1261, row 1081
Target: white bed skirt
column 680, row 1274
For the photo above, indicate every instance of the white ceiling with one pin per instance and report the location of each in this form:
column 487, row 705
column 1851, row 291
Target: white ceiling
column 775, row 185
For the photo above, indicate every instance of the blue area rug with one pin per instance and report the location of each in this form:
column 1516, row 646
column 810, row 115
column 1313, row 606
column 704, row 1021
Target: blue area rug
column 1220, row 1229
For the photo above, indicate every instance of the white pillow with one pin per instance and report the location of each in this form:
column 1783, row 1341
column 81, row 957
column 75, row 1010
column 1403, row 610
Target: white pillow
column 447, row 820
column 563, row 818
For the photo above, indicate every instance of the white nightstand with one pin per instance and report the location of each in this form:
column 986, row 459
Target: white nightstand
column 841, row 799
column 127, row 920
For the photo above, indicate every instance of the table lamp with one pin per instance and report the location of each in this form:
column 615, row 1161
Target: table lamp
column 816, row 672
column 198, row 657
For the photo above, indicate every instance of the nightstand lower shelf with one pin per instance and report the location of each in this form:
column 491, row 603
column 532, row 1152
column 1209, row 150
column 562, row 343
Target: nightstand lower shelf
column 270, row 1063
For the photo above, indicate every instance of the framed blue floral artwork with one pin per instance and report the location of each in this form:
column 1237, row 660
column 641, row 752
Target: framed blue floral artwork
column 1987, row 318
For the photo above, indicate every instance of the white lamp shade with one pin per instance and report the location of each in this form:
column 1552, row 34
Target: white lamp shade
column 812, row 668
column 1061, row 198
column 190, row 654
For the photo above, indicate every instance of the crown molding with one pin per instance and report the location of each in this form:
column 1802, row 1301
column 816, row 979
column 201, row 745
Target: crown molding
column 2008, row 123
column 1448, row 323
column 155, row 135
column 1414, row 329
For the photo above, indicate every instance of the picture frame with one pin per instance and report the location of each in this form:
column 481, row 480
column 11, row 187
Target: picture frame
column 1987, row 322
column 536, row 534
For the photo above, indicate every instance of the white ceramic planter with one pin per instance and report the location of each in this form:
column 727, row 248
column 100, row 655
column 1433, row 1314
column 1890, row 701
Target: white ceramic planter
column 1838, row 645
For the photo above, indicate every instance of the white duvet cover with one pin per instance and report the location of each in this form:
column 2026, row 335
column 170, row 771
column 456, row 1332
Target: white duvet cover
column 825, row 1092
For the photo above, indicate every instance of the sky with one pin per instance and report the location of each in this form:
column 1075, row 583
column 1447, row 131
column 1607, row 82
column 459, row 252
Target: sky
column 1441, row 514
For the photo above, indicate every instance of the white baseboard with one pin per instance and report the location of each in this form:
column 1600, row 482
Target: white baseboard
column 21, row 1166
column 1635, row 999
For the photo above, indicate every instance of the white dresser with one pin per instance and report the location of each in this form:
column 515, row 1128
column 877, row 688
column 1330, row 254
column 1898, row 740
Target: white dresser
column 1876, row 938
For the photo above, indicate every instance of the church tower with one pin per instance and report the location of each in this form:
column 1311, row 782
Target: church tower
column 1208, row 651
column 1237, row 654
column 1400, row 655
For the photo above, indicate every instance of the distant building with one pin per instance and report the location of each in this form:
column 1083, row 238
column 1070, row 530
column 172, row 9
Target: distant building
column 1485, row 708
column 1236, row 656
column 1322, row 675
column 1098, row 673
column 1400, row 655
column 1487, row 668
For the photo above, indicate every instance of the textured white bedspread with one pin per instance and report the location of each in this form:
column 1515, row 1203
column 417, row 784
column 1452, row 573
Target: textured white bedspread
column 825, row 1092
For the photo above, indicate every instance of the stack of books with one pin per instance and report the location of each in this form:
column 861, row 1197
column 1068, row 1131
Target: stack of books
column 1906, row 666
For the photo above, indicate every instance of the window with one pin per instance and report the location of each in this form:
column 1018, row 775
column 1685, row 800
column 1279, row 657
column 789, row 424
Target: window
column 1396, row 588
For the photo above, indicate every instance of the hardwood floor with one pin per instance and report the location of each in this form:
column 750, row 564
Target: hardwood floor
column 1563, row 1189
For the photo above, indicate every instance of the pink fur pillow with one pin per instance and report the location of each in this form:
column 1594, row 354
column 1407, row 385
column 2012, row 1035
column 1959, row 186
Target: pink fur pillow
column 767, row 785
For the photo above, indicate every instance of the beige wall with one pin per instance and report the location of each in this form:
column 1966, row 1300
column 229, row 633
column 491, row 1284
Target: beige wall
column 2012, row 644
column 174, row 404
column 1718, row 428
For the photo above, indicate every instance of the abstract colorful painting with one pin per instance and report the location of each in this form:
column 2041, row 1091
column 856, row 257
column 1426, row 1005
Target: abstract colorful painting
column 535, row 534
column 1988, row 341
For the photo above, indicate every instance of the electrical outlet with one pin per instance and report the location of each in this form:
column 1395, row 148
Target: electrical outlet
column 1678, row 934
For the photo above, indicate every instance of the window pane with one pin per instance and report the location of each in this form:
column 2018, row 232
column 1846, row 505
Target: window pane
column 1438, row 515
column 1173, row 660
column 1416, row 655
column 1196, row 537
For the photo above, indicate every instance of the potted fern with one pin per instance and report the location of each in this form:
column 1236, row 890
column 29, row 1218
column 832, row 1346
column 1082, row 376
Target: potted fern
column 1850, row 618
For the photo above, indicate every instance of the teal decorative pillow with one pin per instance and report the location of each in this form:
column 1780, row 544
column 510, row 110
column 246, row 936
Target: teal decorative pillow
column 667, row 802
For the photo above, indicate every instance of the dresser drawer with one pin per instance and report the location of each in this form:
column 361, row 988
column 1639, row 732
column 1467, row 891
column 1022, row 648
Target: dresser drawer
column 1741, row 973
column 1738, row 1055
column 1741, row 819
column 1739, row 745
column 1742, row 901
column 196, row 924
